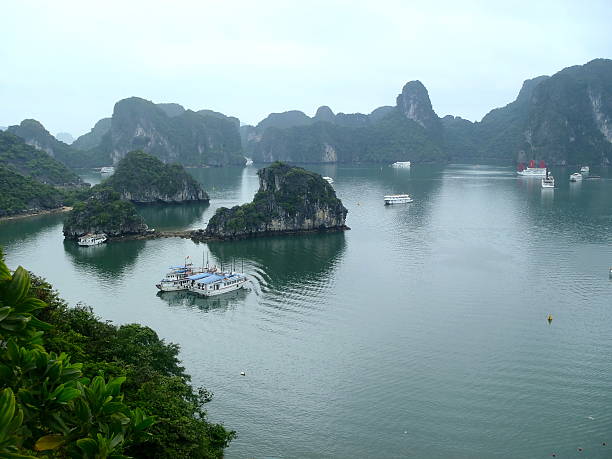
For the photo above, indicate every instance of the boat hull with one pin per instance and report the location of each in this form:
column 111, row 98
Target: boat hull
column 532, row 172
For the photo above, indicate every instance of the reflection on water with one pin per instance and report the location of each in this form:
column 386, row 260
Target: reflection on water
column 187, row 299
column 162, row 216
column 109, row 260
column 429, row 318
column 278, row 261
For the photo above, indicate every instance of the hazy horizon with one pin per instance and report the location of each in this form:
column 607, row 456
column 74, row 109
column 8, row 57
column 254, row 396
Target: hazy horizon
column 66, row 63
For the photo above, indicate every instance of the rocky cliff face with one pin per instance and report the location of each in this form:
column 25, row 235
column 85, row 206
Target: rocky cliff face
column 93, row 138
column 415, row 105
column 172, row 135
column 570, row 115
column 35, row 134
column 142, row 178
column 290, row 199
column 103, row 212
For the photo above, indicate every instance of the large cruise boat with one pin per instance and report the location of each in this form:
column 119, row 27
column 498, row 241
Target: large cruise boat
column 401, row 164
column 178, row 277
column 397, row 199
column 212, row 284
column 531, row 170
column 107, row 170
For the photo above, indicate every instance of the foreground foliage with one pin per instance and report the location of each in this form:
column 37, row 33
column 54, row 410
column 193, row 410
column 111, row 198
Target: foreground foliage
column 127, row 395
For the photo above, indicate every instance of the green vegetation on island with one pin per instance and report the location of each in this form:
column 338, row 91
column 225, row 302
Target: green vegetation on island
column 72, row 385
column 19, row 194
column 290, row 199
column 140, row 177
column 28, row 161
column 103, row 212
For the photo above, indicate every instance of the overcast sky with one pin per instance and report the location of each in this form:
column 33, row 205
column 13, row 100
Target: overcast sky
column 66, row 63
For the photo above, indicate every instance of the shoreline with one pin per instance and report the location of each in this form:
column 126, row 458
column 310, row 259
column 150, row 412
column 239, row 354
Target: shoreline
column 58, row 210
column 197, row 235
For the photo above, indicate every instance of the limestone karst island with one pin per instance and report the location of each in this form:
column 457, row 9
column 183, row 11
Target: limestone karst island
column 307, row 230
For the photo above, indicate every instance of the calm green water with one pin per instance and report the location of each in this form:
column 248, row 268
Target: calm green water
column 420, row 333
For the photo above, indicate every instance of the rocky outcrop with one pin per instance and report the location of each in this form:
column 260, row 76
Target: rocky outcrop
column 289, row 200
column 415, row 105
column 93, row 138
column 104, row 212
column 35, row 134
column 186, row 137
column 142, row 178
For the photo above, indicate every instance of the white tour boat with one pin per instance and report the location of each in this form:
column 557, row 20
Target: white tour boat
column 249, row 161
column 397, row 199
column 585, row 170
column 212, row 284
column 531, row 170
column 92, row 239
column 328, row 180
column 576, row 177
column 107, row 170
column 548, row 181
column 178, row 277
column 401, row 164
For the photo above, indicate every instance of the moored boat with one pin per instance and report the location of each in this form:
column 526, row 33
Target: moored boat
column 92, row 239
column 585, row 170
column 576, row 177
column 548, row 181
column 178, row 277
column 397, row 199
column 107, row 170
column 212, row 284
column 328, row 180
column 401, row 164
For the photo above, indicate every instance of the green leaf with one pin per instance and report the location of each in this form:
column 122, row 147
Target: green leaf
column 4, row 312
column 89, row 446
column 49, row 442
column 68, row 394
column 18, row 287
column 5, row 274
column 40, row 324
column 31, row 304
column 7, row 410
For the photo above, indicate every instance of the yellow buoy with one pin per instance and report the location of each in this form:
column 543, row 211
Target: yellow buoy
column 549, row 318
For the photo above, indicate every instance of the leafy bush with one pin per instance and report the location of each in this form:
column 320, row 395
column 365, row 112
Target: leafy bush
column 128, row 395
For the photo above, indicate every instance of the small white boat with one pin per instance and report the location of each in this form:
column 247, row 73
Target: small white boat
column 548, row 181
column 328, row 180
column 397, row 199
column 249, row 161
column 401, row 164
column 576, row 177
column 212, row 284
column 585, row 170
column 92, row 239
column 107, row 170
